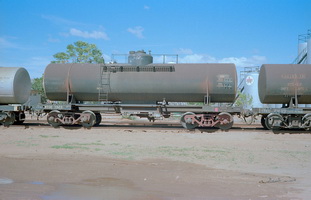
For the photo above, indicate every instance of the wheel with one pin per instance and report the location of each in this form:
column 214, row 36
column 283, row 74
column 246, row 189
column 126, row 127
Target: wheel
column 274, row 121
column 20, row 118
column 10, row 119
column 263, row 121
column 225, row 121
column 151, row 119
column 88, row 119
column 306, row 121
column 53, row 118
column 187, row 123
column 98, row 119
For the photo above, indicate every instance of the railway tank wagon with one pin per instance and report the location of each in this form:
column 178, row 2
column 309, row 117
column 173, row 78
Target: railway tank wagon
column 148, row 86
column 174, row 83
column 290, row 86
column 15, row 86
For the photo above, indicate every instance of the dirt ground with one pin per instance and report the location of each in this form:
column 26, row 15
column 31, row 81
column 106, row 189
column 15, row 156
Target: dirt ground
column 156, row 162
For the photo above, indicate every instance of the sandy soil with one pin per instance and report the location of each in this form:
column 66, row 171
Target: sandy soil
column 152, row 162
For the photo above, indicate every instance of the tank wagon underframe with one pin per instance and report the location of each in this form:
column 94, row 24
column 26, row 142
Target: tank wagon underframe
column 88, row 115
column 12, row 114
column 284, row 118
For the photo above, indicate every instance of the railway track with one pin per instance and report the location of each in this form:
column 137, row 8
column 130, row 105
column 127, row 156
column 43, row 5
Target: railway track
column 172, row 125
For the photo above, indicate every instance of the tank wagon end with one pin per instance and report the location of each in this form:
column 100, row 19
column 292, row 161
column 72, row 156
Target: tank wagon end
column 15, row 89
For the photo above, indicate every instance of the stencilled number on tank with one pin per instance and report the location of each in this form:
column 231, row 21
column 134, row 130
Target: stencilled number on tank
column 294, row 84
column 293, row 76
column 224, row 81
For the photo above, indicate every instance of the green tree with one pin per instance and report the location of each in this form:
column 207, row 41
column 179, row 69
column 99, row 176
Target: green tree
column 80, row 52
column 37, row 87
column 244, row 100
column 61, row 57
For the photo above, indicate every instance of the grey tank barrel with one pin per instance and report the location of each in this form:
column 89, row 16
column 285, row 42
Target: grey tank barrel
column 278, row 83
column 149, row 83
column 15, row 85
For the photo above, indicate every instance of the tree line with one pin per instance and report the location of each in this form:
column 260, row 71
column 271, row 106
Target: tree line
column 78, row 52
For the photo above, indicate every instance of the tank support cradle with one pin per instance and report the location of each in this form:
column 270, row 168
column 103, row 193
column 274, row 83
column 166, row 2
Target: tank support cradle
column 222, row 120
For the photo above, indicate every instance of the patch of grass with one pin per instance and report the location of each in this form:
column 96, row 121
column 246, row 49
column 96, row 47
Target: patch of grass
column 121, row 153
column 89, row 144
column 251, row 158
column 214, row 151
column 28, row 145
column 176, row 151
column 47, row 136
column 200, row 157
column 21, row 143
column 69, row 146
column 129, row 155
column 79, row 146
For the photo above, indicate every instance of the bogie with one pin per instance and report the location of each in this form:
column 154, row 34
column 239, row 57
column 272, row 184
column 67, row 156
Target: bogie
column 276, row 121
column 87, row 118
column 222, row 120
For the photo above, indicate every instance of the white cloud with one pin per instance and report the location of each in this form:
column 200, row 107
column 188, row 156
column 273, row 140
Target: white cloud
column 52, row 40
column 60, row 21
column 137, row 31
column 197, row 58
column 184, row 51
column 245, row 62
column 254, row 60
column 146, row 7
column 36, row 65
column 5, row 43
column 86, row 34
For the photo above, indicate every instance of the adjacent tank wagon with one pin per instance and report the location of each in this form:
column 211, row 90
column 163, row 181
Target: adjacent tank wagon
column 290, row 86
column 15, row 86
column 279, row 83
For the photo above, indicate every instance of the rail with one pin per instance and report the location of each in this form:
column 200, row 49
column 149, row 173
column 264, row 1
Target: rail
column 162, row 58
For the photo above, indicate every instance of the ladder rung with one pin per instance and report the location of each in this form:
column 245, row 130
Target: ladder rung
column 104, row 85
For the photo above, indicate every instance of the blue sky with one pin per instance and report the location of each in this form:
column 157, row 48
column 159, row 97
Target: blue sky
column 246, row 32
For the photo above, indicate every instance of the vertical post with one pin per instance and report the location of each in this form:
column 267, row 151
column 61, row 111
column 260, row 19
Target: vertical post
column 206, row 99
column 308, row 52
column 69, row 98
column 296, row 95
